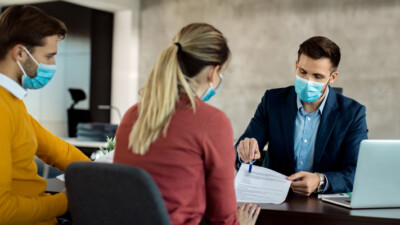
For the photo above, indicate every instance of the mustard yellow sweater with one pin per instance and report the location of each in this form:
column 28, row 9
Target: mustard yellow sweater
column 22, row 192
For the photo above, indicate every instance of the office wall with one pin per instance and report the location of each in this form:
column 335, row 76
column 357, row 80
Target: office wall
column 125, row 55
column 264, row 37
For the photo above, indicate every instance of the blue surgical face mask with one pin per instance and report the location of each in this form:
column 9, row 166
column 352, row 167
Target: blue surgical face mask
column 211, row 91
column 44, row 73
column 308, row 91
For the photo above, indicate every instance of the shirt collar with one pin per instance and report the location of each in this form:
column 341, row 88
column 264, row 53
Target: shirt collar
column 11, row 86
column 320, row 108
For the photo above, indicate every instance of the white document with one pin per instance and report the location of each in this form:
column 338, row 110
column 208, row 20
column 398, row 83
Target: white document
column 262, row 185
column 107, row 158
column 61, row 177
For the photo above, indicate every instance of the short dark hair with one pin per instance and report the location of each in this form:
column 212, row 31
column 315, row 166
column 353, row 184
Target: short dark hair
column 321, row 47
column 27, row 25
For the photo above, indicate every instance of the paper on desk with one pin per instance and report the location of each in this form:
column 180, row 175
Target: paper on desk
column 61, row 177
column 262, row 185
column 107, row 158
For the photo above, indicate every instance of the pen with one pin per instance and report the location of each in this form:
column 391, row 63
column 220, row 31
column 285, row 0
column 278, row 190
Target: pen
column 251, row 162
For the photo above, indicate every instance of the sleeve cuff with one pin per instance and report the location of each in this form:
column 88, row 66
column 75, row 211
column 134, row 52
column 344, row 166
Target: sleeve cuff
column 327, row 185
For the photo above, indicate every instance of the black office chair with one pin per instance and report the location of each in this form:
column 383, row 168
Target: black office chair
column 109, row 194
column 76, row 116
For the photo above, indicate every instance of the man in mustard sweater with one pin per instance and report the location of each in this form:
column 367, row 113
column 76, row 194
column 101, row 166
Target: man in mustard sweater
column 28, row 44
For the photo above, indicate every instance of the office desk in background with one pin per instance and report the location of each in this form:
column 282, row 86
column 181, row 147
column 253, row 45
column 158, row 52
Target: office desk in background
column 87, row 147
column 298, row 210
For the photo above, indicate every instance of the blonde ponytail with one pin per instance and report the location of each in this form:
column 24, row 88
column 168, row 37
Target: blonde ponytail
column 172, row 73
column 159, row 95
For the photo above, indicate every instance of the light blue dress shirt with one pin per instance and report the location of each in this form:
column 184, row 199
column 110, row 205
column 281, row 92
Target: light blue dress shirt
column 305, row 134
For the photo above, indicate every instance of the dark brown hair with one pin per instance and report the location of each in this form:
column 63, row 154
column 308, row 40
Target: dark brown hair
column 321, row 47
column 27, row 25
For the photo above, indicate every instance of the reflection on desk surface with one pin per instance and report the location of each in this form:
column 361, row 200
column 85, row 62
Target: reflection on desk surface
column 86, row 144
column 302, row 204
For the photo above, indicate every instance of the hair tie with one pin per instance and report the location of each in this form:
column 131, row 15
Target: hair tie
column 179, row 46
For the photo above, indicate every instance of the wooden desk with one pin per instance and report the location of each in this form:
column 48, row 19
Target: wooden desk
column 303, row 210
column 311, row 210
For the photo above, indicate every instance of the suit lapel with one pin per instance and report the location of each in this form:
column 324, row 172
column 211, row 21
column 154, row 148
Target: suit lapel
column 288, row 112
column 329, row 117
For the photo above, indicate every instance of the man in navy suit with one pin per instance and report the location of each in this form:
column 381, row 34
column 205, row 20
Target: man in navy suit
column 313, row 132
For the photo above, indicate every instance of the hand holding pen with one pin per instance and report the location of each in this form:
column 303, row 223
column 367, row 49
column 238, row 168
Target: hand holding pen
column 252, row 161
column 248, row 151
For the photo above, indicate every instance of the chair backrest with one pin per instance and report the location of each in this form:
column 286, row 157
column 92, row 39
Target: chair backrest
column 76, row 116
column 102, row 193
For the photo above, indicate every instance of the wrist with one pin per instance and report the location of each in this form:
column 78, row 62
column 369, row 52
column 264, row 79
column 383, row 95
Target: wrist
column 321, row 184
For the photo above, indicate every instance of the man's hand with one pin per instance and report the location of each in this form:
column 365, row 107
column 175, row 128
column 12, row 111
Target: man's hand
column 248, row 150
column 307, row 182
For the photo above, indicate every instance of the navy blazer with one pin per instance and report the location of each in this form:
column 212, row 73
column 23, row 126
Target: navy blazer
column 342, row 127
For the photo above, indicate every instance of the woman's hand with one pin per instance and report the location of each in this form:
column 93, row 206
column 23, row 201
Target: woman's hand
column 247, row 213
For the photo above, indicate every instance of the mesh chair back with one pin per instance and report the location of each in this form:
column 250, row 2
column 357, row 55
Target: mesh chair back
column 102, row 193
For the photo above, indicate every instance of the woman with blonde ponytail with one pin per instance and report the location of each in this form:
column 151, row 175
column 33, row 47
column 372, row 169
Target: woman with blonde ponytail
column 185, row 144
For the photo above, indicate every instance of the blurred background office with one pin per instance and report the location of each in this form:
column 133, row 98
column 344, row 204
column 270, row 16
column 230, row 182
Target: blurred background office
column 264, row 36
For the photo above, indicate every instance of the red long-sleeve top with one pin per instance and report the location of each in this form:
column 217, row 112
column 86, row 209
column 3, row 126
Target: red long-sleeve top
column 193, row 165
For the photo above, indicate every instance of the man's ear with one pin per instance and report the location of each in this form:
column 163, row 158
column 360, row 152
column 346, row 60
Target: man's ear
column 335, row 75
column 18, row 53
